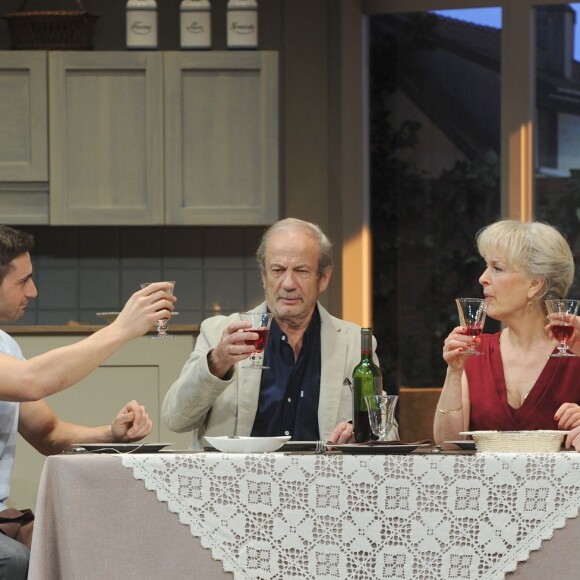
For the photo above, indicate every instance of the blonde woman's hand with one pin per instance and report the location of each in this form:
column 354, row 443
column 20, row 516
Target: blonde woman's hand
column 455, row 345
column 573, row 439
column 568, row 416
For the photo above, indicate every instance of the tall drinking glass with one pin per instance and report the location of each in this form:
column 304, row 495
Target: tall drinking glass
column 261, row 326
column 381, row 414
column 162, row 322
column 472, row 312
column 559, row 312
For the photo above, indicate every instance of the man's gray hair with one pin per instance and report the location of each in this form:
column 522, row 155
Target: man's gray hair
column 296, row 225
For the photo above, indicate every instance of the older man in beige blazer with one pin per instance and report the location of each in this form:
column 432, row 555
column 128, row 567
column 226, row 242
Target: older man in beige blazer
column 213, row 396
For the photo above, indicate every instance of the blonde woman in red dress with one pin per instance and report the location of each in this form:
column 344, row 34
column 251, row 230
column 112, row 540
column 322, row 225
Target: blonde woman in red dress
column 515, row 385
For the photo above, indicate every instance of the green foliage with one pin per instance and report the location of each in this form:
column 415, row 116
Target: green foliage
column 424, row 225
column 423, row 229
column 558, row 203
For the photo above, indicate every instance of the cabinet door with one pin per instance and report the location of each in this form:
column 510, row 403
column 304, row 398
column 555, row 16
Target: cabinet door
column 23, row 137
column 143, row 369
column 106, row 138
column 221, row 138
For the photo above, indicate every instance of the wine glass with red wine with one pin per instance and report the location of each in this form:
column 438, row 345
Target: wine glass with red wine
column 559, row 312
column 472, row 312
column 261, row 326
column 162, row 322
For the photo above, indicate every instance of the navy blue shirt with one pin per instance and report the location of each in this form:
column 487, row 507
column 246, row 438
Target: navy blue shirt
column 289, row 389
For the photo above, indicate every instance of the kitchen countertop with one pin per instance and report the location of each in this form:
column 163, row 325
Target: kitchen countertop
column 44, row 330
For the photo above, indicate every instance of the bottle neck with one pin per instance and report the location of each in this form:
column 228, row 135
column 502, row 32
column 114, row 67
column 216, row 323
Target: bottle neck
column 366, row 343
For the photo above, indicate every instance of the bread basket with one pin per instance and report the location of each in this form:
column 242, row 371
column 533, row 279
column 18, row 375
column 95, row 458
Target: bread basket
column 538, row 441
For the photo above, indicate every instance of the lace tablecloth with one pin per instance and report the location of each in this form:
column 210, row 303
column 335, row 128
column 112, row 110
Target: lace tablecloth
column 278, row 516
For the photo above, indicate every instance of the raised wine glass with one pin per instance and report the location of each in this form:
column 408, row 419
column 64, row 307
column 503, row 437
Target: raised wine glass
column 162, row 322
column 381, row 414
column 559, row 312
column 472, row 312
column 261, row 326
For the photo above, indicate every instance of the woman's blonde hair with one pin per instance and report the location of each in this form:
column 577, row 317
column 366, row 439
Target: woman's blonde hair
column 535, row 248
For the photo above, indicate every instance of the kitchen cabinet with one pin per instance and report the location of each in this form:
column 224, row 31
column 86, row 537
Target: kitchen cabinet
column 106, row 138
column 143, row 369
column 221, row 140
column 23, row 137
column 146, row 137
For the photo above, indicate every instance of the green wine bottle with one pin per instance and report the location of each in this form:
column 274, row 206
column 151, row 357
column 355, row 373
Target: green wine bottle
column 367, row 380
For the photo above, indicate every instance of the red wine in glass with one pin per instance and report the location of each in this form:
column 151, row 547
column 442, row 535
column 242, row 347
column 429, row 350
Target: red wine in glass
column 474, row 331
column 562, row 332
column 472, row 312
column 559, row 312
column 261, row 341
column 261, row 326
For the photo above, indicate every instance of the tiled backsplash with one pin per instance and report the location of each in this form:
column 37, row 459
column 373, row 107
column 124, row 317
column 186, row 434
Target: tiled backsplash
column 80, row 271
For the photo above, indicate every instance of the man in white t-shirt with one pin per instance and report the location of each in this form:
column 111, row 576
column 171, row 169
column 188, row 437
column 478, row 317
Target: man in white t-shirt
column 35, row 420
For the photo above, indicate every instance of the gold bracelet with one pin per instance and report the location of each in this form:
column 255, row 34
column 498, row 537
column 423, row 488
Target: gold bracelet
column 442, row 411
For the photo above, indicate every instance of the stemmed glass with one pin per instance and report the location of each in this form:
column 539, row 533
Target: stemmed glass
column 559, row 312
column 162, row 322
column 472, row 312
column 381, row 414
column 261, row 326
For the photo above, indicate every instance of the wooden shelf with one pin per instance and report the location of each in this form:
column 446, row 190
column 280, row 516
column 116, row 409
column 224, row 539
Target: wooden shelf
column 47, row 330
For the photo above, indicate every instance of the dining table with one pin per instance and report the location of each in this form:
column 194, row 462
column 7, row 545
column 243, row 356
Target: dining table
column 424, row 514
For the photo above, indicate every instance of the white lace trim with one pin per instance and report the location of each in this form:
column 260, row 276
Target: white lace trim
column 279, row 516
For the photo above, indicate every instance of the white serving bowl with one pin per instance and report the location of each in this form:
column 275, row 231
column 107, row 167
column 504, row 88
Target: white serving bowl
column 247, row 444
column 539, row 441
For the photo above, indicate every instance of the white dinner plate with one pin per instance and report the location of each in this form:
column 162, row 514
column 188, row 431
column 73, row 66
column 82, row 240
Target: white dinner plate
column 377, row 449
column 118, row 447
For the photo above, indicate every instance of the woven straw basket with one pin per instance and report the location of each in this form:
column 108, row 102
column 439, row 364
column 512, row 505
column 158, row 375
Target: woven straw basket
column 52, row 29
column 540, row 441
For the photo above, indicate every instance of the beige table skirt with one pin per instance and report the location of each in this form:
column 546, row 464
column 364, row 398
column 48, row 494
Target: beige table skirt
column 95, row 521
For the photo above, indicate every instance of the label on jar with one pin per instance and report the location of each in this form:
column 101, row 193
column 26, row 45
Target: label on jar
column 195, row 30
column 242, row 29
column 141, row 29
